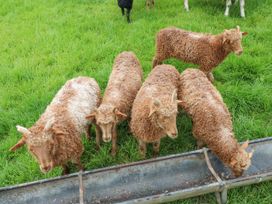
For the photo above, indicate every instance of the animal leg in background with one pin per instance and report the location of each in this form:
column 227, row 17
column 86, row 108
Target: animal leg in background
column 186, row 5
column 228, row 4
column 242, row 8
column 128, row 15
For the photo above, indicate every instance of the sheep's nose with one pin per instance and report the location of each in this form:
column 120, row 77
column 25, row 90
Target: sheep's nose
column 174, row 134
column 46, row 168
column 239, row 52
column 108, row 139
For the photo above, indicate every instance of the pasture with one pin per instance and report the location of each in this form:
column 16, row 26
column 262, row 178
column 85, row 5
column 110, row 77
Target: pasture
column 45, row 43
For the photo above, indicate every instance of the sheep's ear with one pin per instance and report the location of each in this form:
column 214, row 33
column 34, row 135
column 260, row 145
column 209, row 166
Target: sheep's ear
column 119, row 114
column 22, row 130
column 179, row 102
column 91, row 117
column 174, row 96
column 49, row 124
column 233, row 162
column 245, row 145
column 238, row 28
column 244, row 33
column 154, row 106
column 250, row 155
column 19, row 144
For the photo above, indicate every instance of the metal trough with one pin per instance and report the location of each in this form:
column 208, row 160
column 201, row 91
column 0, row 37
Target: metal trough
column 157, row 180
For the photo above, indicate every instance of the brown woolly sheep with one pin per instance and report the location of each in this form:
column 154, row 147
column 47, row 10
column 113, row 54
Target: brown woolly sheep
column 212, row 123
column 205, row 50
column 154, row 110
column 55, row 139
column 123, row 85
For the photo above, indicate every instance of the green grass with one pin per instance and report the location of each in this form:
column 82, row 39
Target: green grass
column 45, row 43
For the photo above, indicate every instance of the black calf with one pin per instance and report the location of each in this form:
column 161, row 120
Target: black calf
column 126, row 4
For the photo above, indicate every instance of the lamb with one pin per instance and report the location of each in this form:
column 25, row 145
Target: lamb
column 123, row 85
column 205, row 50
column 126, row 4
column 228, row 4
column 55, row 139
column 154, row 110
column 212, row 123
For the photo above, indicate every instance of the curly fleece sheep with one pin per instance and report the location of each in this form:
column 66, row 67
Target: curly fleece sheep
column 154, row 110
column 55, row 139
column 212, row 123
column 205, row 50
column 123, row 85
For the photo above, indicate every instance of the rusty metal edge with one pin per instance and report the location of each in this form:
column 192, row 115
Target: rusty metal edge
column 201, row 190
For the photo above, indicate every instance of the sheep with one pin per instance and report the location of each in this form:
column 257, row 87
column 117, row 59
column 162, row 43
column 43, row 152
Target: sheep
column 212, row 124
column 150, row 3
column 228, row 4
column 126, row 4
column 55, row 139
column 154, row 110
column 205, row 50
column 123, row 85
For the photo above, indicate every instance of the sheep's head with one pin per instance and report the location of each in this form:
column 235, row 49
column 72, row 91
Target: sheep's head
column 164, row 113
column 241, row 161
column 106, row 117
column 40, row 144
column 232, row 40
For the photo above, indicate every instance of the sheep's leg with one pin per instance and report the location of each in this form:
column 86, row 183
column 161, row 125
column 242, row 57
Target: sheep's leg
column 128, row 16
column 65, row 169
column 186, row 5
column 156, row 148
column 123, row 11
column 200, row 144
column 142, row 148
column 242, row 8
column 228, row 4
column 79, row 165
column 88, row 132
column 98, row 136
column 114, row 141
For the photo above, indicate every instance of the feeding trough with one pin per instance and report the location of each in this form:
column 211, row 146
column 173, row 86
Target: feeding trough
column 157, row 180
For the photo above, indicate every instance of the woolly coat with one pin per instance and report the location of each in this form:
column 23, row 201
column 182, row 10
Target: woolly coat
column 160, row 84
column 211, row 119
column 65, row 119
column 124, row 82
column 205, row 50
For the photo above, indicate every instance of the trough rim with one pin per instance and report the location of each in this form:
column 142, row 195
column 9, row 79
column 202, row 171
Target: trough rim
column 147, row 161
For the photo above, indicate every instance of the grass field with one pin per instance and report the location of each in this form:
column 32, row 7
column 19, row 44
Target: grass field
column 45, row 43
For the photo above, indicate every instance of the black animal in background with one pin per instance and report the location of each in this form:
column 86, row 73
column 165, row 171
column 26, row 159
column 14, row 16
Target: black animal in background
column 126, row 4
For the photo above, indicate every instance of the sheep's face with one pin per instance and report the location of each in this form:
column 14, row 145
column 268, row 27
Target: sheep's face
column 43, row 153
column 241, row 161
column 164, row 114
column 232, row 40
column 40, row 145
column 106, row 117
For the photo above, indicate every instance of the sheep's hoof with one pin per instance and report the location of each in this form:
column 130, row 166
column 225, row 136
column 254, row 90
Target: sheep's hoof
column 155, row 154
column 97, row 147
column 65, row 171
column 113, row 153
